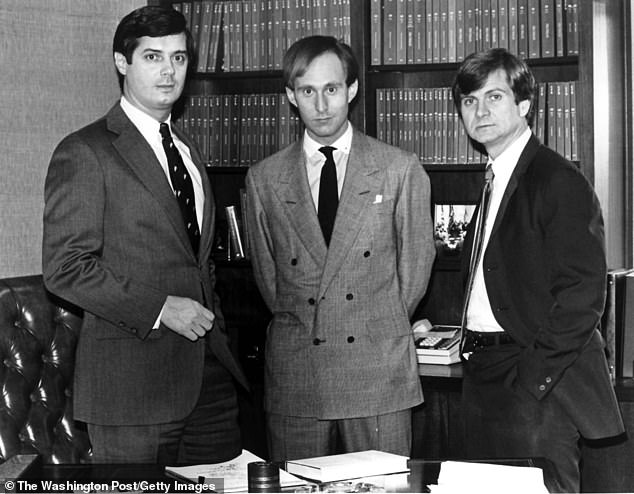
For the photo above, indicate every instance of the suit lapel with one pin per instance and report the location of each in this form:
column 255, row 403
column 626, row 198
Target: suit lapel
column 293, row 191
column 362, row 182
column 525, row 159
column 140, row 157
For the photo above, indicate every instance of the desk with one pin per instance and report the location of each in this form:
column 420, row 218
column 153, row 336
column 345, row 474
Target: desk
column 422, row 473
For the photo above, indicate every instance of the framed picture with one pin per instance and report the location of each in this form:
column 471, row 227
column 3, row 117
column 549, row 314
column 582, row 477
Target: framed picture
column 451, row 222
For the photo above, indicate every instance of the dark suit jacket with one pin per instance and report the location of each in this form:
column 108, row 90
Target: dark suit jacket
column 545, row 273
column 356, row 297
column 116, row 246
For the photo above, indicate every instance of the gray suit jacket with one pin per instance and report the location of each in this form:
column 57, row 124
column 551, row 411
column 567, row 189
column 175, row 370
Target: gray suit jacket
column 116, row 246
column 340, row 342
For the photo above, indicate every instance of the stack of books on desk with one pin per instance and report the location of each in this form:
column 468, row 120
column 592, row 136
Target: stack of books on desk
column 438, row 345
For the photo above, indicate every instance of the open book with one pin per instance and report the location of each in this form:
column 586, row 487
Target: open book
column 229, row 476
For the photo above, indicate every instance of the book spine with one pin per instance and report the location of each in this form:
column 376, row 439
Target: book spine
column 460, row 48
column 494, row 10
column 234, row 233
column 548, row 29
column 572, row 12
column 522, row 28
column 469, row 27
column 401, row 32
column 513, row 27
column 419, row 31
column 503, row 24
column 389, row 32
column 444, row 31
column 410, row 40
column 376, row 33
column 436, row 11
column 485, row 22
column 534, row 38
column 574, row 156
column 195, row 25
column 429, row 31
column 560, row 24
column 380, row 114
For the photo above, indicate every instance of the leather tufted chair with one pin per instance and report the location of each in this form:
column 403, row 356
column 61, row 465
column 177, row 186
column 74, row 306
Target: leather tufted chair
column 38, row 336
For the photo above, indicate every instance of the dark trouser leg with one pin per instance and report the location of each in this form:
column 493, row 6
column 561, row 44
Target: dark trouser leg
column 501, row 422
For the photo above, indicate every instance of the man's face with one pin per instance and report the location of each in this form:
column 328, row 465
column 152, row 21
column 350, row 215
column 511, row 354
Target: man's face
column 322, row 97
column 491, row 116
column 156, row 77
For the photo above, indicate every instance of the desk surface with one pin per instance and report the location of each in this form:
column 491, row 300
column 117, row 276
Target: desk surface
column 422, row 473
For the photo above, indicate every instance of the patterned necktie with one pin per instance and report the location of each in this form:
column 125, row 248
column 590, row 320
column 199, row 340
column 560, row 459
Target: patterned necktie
column 328, row 194
column 182, row 185
column 478, row 240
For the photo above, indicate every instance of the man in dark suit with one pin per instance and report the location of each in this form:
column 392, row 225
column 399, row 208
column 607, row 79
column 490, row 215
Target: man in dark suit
column 536, row 376
column 342, row 261
column 154, row 377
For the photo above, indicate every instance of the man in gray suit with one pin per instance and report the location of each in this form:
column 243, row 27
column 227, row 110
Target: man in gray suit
column 342, row 249
column 129, row 241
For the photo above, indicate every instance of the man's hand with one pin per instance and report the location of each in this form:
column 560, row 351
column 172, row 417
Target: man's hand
column 187, row 317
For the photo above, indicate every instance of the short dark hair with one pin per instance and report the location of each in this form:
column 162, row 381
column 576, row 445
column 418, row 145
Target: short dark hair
column 475, row 69
column 301, row 54
column 153, row 21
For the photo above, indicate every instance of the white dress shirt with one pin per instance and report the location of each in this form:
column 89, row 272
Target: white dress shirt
column 479, row 314
column 315, row 160
column 149, row 128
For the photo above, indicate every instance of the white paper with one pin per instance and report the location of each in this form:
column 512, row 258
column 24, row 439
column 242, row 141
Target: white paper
column 233, row 473
column 472, row 477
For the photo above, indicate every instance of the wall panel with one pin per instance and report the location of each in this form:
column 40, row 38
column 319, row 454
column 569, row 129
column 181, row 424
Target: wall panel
column 57, row 75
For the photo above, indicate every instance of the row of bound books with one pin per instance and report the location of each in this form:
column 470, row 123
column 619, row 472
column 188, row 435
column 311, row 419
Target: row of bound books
column 444, row 31
column 240, row 129
column 424, row 121
column 253, row 35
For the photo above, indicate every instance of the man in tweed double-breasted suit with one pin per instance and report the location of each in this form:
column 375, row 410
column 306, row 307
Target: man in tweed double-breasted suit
column 340, row 358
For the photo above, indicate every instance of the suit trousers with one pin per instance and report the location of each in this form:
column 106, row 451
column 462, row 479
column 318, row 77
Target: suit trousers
column 292, row 438
column 502, row 420
column 209, row 434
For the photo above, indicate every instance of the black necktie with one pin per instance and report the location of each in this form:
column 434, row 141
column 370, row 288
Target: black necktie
column 182, row 185
column 328, row 194
column 478, row 240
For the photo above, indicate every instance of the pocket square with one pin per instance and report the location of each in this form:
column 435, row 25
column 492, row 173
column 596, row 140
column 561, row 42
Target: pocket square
column 378, row 199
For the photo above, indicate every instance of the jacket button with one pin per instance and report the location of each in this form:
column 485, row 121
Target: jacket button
column 542, row 387
column 293, row 262
column 349, row 296
column 366, row 253
column 316, row 341
column 311, row 301
column 121, row 324
column 548, row 380
column 350, row 339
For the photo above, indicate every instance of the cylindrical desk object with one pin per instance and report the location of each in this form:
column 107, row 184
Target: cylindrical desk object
column 264, row 476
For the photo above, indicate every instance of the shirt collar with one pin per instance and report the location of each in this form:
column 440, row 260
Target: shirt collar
column 343, row 144
column 147, row 125
column 506, row 162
